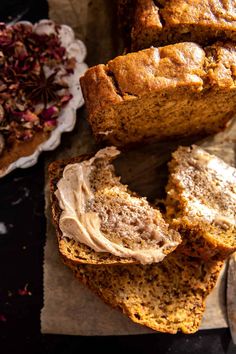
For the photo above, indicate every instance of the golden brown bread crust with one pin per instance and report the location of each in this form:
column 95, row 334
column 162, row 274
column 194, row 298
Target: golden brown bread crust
column 146, row 25
column 99, row 85
column 134, row 74
column 167, row 297
column 178, row 90
column 203, row 245
column 21, row 149
column 154, row 69
column 164, row 22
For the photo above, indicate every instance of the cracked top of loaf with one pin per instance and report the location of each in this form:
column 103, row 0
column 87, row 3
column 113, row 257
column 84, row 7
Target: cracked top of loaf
column 159, row 22
column 220, row 13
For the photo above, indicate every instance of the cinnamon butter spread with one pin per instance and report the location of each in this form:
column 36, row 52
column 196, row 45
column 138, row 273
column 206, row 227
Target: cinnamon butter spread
column 209, row 173
column 78, row 222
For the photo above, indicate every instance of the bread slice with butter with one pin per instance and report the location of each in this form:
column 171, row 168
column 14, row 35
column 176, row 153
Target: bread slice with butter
column 99, row 221
column 201, row 203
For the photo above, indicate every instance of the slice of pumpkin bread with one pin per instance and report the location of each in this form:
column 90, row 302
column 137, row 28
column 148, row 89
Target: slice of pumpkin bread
column 161, row 93
column 201, row 202
column 167, row 297
column 99, row 221
column 161, row 22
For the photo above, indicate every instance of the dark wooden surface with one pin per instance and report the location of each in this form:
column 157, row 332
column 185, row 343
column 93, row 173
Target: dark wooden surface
column 21, row 272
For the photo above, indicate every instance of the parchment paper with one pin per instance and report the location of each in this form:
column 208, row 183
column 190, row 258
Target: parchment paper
column 69, row 308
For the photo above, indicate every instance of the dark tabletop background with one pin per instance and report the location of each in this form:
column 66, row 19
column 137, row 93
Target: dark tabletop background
column 21, row 265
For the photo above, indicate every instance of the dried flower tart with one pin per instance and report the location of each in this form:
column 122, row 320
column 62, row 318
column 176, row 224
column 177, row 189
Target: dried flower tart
column 36, row 73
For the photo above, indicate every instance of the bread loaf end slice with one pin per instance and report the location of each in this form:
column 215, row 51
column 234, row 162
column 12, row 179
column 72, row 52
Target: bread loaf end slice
column 161, row 93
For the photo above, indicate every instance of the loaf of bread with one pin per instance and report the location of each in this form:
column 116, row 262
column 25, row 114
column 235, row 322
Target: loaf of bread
column 159, row 93
column 201, row 203
column 167, row 297
column 161, row 22
column 99, row 221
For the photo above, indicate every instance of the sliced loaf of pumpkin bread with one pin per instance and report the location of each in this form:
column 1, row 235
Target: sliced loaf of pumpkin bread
column 148, row 23
column 162, row 93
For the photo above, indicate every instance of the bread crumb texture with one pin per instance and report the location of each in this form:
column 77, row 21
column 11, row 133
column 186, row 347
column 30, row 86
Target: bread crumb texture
column 201, row 202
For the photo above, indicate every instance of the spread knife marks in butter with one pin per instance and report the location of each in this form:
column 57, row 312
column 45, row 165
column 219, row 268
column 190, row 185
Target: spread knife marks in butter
column 74, row 192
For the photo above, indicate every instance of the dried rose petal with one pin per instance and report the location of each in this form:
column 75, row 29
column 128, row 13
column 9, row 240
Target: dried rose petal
column 5, row 36
column 65, row 99
column 27, row 135
column 50, row 113
column 14, row 87
column 20, row 106
column 2, row 113
column 24, row 291
column 10, row 104
column 5, row 127
column 15, row 114
column 26, row 67
column 2, row 58
column 20, row 51
column 36, row 68
column 2, row 143
column 22, row 31
column 49, row 125
column 2, row 318
column 3, row 86
column 29, row 116
column 28, row 125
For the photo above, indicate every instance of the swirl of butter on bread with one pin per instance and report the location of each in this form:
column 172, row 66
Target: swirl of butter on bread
column 78, row 222
column 208, row 170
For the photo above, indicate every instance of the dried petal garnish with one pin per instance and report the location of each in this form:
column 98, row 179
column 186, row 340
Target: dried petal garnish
column 2, row 143
column 50, row 124
column 50, row 113
column 2, row 59
column 31, row 117
column 2, row 113
column 2, row 318
column 32, row 93
column 65, row 99
column 24, row 291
